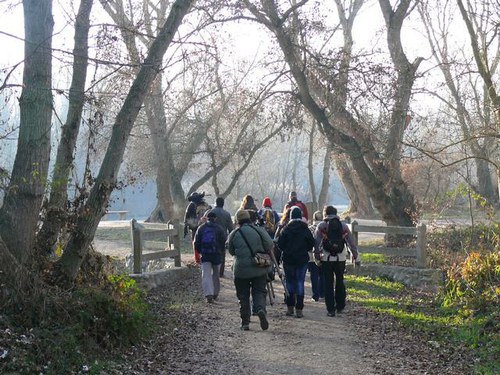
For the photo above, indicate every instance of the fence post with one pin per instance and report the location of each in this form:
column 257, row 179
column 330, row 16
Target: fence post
column 177, row 242
column 137, row 250
column 354, row 230
column 421, row 246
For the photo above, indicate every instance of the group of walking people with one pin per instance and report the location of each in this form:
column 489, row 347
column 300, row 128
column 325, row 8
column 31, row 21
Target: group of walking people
column 288, row 240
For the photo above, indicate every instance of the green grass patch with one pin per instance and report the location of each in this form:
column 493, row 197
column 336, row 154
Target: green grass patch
column 373, row 258
column 445, row 324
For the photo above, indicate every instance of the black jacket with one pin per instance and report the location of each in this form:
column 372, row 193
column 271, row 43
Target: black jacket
column 295, row 241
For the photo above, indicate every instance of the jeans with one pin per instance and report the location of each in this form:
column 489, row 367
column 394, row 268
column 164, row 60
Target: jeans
column 317, row 282
column 295, row 277
column 257, row 288
column 210, row 282
column 333, row 274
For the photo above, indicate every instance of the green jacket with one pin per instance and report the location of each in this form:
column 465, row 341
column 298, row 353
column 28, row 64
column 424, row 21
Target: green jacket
column 244, row 266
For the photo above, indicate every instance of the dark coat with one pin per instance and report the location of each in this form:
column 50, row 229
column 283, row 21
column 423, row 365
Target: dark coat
column 220, row 242
column 295, row 242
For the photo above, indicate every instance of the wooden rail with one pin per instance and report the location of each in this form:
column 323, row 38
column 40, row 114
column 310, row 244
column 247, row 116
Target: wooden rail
column 152, row 241
column 420, row 251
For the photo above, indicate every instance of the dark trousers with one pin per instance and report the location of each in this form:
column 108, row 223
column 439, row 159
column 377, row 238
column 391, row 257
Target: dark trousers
column 223, row 262
column 317, row 283
column 335, row 294
column 257, row 288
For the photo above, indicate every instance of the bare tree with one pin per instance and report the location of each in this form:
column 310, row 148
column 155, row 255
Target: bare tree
column 387, row 190
column 56, row 207
column 465, row 103
column 24, row 195
column 481, row 41
column 95, row 206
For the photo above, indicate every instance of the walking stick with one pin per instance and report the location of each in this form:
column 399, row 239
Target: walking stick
column 280, row 274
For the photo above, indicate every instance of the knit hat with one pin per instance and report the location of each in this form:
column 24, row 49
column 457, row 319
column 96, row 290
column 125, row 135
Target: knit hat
column 242, row 215
column 267, row 202
column 295, row 213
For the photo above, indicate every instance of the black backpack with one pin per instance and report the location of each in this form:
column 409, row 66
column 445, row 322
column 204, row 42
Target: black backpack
column 208, row 239
column 333, row 241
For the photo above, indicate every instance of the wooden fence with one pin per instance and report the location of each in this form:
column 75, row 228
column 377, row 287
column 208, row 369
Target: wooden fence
column 152, row 241
column 419, row 251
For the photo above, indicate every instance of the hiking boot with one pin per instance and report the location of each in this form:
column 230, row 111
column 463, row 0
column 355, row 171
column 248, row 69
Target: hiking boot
column 264, row 324
column 298, row 313
column 245, row 327
column 290, row 311
column 331, row 313
column 210, row 299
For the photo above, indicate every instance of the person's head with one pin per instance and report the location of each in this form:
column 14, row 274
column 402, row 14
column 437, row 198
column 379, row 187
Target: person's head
column 318, row 216
column 286, row 215
column 219, row 202
column 248, row 203
column 211, row 216
column 196, row 197
column 329, row 211
column 292, row 196
column 295, row 213
column 242, row 217
column 267, row 202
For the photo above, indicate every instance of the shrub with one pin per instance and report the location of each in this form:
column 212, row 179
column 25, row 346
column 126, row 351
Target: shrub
column 475, row 283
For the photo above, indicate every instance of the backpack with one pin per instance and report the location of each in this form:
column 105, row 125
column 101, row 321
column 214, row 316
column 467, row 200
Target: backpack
column 208, row 239
column 333, row 241
column 269, row 221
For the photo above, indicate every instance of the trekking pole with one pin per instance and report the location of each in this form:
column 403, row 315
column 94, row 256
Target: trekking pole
column 280, row 274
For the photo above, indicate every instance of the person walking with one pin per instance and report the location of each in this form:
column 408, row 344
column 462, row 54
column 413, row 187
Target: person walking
column 210, row 241
column 293, row 201
column 224, row 220
column 315, row 274
column 194, row 216
column 248, row 203
column 295, row 242
column 330, row 231
column 269, row 217
column 249, row 279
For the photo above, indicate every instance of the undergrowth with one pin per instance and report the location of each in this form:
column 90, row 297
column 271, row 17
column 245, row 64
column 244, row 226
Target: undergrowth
column 76, row 330
column 466, row 310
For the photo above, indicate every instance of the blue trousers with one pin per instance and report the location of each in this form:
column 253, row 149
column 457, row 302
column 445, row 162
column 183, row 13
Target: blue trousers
column 317, row 282
column 295, row 277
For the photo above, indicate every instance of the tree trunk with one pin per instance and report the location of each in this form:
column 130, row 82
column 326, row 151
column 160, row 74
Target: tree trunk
column 325, row 182
column 360, row 201
column 486, row 185
column 23, row 199
column 77, row 247
column 56, row 207
column 310, row 168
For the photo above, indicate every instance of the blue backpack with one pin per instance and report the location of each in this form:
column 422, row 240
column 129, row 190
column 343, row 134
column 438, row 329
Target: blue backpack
column 209, row 239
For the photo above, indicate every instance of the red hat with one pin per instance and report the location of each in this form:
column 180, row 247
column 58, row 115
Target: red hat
column 267, row 202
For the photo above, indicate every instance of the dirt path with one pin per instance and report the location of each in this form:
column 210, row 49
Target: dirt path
column 194, row 337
